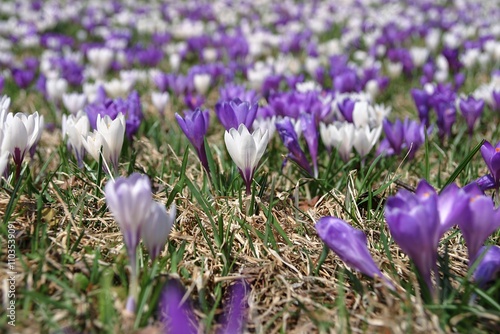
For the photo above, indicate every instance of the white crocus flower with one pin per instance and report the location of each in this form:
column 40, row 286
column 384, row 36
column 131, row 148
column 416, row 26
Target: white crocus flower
column 157, row 227
column 56, row 87
column 160, row 101
column 21, row 134
column 4, row 155
column 365, row 138
column 361, row 114
column 246, row 150
column 202, row 83
column 118, row 88
column 74, row 102
column 113, row 132
column 101, row 59
column 265, row 123
column 94, row 142
column 74, row 128
column 339, row 135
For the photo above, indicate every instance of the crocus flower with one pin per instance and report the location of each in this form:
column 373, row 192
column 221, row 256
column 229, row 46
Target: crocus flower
column 446, row 116
column 488, row 267
column 310, row 132
column 21, row 134
column 74, row 102
column 233, row 321
column 421, row 99
column 491, row 156
column 291, row 141
column 176, row 315
column 195, row 126
column 246, row 150
column 471, row 110
column 109, row 135
column 365, row 138
column 55, row 88
column 201, row 83
column 482, row 220
column 129, row 200
column 156, row 229
column 74, row 127
column 350, row 245
column 339, row 135
column 160, row 101
column 235, row 112
column 414, row 222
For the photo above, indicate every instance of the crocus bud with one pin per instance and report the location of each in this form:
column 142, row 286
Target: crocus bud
column 195, row 126
column 157, row 227
column 350, row 245
column 489, row 266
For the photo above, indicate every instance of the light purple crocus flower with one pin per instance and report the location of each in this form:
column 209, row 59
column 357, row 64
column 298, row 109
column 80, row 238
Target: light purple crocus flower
column 471, row 110
column 414, row 222
column 291, row 141
column 350, row 245
column 195, row 126
column 235, row 112
column 129, row 200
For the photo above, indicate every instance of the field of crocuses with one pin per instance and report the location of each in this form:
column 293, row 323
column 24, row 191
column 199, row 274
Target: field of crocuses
column 250, row 166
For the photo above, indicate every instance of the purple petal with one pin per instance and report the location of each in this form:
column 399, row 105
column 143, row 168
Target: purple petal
column 176, row 315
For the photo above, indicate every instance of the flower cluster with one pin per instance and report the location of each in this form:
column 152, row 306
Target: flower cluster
column 417, row 221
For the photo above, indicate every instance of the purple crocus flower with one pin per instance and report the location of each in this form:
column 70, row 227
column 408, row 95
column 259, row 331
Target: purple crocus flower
column 414, row 222
column 489, row 265
column 486, row 182
column 233, row 320
column 496, row 100
column 291, row 141
column 350, row 245
column 482, row 220
column 310, row 132
column 346, row 108
column 446, row 116
column 400, row 135
column 195, row 126
column 232, row 91
column 471, row 110
column 177, row 316
column 421, row 99
column 193, row 101
column 23, row 77
column 235, row 112
column 491, row 156
column 131, row 108
column 394, row 133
